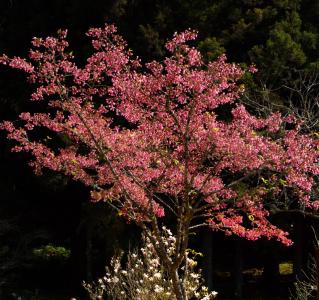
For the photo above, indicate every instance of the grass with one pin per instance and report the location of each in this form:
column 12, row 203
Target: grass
column 286, row 268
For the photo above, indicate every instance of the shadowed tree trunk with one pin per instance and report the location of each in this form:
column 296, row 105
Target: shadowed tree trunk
column 88, row 254
column 237, row 271
column 207, row 246
column 298, row 246
column 271, row 272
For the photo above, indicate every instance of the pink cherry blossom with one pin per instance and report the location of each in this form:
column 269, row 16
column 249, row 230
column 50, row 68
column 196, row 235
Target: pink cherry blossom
column 147, row 138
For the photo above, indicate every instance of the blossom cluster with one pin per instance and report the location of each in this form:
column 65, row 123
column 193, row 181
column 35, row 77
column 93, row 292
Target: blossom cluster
column 145, row 278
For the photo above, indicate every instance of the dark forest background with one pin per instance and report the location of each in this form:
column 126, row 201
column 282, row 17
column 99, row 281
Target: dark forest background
column 51, row 237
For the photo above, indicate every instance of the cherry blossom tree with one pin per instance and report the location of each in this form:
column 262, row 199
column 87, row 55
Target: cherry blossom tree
column 150, row 140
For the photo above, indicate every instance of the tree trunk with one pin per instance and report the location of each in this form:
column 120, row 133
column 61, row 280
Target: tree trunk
column 298, row 246
column 207, row 246
column 238, row 268
column 88, row 253
column 177, row 286
column 271, row 273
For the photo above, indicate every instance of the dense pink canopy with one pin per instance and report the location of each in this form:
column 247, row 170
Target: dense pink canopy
column 175, row 150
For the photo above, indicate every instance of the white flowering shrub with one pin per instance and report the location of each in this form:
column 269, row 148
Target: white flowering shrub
column 144, row 278
column 306, row 288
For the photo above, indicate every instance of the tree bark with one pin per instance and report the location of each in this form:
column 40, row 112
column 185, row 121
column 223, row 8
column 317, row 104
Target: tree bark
column 88, row 253
column 207, row 246
column 238, row 268
column 298, row 246
column 177, row 286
